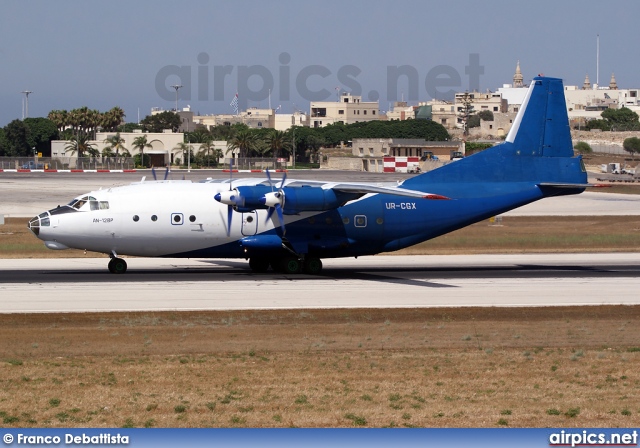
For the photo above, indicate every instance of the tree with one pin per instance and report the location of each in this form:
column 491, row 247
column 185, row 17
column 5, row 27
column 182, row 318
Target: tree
column 112, row 119
column 186, row 148
column 206, row 148
column 17, row 144
column 129, row 127
column 314, row 143
column 245, row 141
column 160, row 122
column 40, row 132
column 116, row 144
column 140, row 143
column 583, row 148
column 465, row 111
column 79, row 144
column 278, row 141
column 603, row 125
column 198, row 136
column 60, row 118
column 485, row 115
column 623, row 119
column 473, row 121
column 3, row 143
column 632, row 145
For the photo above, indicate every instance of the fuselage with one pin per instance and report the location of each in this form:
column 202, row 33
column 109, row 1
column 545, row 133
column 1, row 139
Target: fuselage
column 182, row 219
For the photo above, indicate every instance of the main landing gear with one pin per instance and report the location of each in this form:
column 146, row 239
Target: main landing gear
column 117, row 265
column 287, row 265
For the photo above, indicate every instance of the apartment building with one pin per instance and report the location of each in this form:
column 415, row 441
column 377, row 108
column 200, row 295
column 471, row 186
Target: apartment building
column 349, row 109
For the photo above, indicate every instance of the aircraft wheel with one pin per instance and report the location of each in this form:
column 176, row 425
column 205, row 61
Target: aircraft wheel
column 258, row 264
column 312, row 265
column 290, row 265
column 117, row 266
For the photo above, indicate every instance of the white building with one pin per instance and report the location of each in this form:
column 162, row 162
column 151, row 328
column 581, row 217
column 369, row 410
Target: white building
column 349, row 109
column 163, row 148
column 401, row 111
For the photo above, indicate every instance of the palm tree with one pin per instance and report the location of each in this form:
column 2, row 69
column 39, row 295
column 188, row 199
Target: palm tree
column 113, row 118
column 245, row 141
column 185, row 148
column 278, row 141
column 80, row 144
column 140, row 143
column 206, row 147
column 107, row 152
column 94, row 119
column 116, row 143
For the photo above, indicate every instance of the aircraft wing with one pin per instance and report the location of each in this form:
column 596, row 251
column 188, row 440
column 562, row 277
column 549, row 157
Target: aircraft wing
column 366, row 189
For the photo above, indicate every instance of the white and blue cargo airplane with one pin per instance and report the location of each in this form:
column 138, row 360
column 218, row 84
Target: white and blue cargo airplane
column 291, row 225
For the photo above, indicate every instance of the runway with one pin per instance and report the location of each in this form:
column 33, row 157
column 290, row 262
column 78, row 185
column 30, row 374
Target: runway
column 85, row 285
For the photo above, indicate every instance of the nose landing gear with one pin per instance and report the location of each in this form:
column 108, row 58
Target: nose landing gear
column 117, row 265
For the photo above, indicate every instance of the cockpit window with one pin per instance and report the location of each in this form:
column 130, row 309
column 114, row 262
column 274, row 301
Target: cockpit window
column 94, row 204
column 79, row 203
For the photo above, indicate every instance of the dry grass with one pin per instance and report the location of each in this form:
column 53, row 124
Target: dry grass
column 324, row 368
column 525, row 367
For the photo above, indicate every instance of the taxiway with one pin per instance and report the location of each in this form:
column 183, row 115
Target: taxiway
column 85, row 285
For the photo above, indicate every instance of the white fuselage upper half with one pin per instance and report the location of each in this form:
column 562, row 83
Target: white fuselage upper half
column 153, row 218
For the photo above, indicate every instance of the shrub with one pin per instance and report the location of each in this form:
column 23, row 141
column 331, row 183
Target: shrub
column 583, row 148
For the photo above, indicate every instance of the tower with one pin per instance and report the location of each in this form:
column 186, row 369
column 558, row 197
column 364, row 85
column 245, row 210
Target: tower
column 587, row 83
column 613, row 85
column 518, row 78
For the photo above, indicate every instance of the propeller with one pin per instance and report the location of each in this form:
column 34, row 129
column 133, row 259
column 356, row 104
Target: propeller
column 153, row 172
column 228, row 197
column 275, row 201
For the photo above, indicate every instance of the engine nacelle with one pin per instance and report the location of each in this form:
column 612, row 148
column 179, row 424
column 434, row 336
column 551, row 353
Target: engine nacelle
column 313, row 199
column 305, row 198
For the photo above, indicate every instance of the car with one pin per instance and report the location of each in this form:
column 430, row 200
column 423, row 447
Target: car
column 31, row 165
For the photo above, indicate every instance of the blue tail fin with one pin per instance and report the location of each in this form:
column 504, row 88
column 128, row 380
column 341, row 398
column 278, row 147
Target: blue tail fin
column 537, row 149
column 541, row 127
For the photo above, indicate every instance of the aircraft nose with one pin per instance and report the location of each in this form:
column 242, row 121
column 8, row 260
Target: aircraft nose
column 35, row 223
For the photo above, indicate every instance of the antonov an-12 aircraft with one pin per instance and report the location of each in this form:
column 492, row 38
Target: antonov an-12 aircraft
column 290, row 225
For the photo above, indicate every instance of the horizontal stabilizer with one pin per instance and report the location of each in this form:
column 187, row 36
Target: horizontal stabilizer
column 567, row 185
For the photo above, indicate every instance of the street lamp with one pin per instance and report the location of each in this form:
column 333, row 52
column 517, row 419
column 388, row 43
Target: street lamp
column 176, row 86
column 26, row 93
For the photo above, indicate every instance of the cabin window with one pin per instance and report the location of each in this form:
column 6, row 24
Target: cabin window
column 154, row 218
column 136, row 218
column 192, row 218
column 360, row 221
column 176, row 219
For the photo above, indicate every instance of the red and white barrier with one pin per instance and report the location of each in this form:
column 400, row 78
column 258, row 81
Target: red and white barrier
column 400, row 164
column 65, row 171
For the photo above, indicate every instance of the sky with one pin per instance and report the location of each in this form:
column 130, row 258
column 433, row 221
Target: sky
column 101, row 54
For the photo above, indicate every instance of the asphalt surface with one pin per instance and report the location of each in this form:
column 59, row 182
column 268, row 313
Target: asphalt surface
column 77, row 285
column 68, row 285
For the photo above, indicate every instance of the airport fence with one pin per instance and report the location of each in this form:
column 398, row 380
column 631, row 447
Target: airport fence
column 67, row 163
column 256, row 163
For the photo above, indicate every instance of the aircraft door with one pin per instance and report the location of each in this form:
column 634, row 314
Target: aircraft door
column 249, row 223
